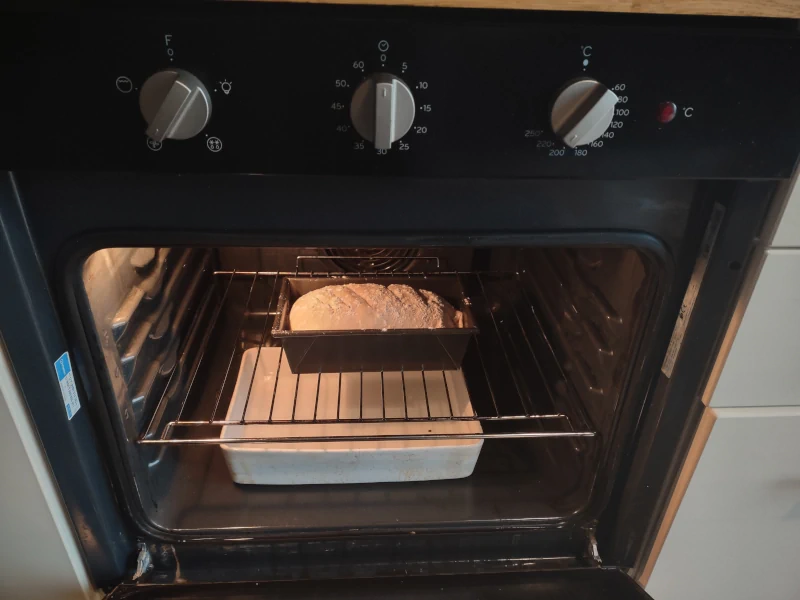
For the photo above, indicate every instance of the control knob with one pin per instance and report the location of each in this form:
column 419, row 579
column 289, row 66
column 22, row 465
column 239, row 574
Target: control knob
column 175, row 104
column 382, row 109
column 582, row 112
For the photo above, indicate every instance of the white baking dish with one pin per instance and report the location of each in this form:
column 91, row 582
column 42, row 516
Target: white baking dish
column 294, row 463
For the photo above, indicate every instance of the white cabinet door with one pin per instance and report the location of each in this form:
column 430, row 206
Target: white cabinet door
column 763, row 367
column 788, row 233
column 736, row 535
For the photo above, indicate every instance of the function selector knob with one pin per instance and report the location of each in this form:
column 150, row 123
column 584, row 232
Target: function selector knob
column 382, row 109
column 175, row 104
column 582, row 112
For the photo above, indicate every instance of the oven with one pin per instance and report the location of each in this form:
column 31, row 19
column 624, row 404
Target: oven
column 586, row 189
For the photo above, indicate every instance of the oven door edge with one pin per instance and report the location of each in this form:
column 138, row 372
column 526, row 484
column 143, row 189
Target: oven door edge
column 672, row 413
column 31, row 328
column 585, row 583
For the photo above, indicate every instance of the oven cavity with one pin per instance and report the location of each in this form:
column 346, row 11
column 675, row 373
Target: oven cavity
column 367, row 429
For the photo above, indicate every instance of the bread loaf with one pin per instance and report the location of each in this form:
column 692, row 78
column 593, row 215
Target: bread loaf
column 372, row 306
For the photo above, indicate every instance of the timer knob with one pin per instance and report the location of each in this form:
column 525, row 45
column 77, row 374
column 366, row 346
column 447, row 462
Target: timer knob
column 175, row 104
column 382, row 109
column 582, row 111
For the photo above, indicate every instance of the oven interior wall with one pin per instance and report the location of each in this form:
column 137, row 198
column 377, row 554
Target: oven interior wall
column 558, row 327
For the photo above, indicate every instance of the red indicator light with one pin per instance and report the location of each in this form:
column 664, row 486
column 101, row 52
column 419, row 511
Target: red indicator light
column 667, row 112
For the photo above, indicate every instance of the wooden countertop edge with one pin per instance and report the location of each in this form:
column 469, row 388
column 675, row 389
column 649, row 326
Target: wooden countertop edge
column 737, row 8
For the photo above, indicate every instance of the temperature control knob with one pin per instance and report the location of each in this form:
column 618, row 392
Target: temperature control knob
column 582, row 112
column 382, row 109
column 175, row 104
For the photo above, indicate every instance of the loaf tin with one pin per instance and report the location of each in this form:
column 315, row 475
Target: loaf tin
column 374, row 349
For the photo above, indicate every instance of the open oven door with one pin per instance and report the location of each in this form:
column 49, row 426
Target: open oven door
column 568, row 584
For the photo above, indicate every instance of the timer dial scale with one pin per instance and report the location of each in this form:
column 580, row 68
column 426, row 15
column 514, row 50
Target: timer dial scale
column 582, row 112
column 382, row 109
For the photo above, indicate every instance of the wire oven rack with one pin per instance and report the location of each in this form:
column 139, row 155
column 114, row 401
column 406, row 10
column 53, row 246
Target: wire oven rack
column 515, row 382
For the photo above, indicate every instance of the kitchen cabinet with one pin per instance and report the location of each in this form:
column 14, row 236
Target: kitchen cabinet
column 787, row 234
column 762, row 367
column 40, row 556
column 736, row 535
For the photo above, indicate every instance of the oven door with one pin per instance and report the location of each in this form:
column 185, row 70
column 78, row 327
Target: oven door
column 587, row 584
column 38, row 327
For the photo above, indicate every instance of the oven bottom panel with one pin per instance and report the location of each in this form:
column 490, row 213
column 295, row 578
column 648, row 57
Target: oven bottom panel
column 566, row 584
column 512, row 480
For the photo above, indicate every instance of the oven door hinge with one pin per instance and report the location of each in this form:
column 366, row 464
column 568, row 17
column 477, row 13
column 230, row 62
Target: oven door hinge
column 591, row 548
column 144, row 562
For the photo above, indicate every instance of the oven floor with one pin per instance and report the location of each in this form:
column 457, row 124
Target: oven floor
column 511, row 482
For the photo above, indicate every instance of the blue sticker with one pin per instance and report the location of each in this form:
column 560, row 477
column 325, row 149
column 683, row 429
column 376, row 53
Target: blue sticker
column 66, row 380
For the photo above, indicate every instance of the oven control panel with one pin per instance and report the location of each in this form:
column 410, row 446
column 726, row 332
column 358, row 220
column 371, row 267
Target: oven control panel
column 400, row 92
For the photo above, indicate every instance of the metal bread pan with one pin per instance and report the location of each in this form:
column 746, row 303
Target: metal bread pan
column 374, row 349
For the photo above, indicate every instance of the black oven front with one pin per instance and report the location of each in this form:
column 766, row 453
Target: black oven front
column 592, row 199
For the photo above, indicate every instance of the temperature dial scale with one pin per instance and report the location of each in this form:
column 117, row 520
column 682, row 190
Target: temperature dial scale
column 582, row 112
column 584, row 116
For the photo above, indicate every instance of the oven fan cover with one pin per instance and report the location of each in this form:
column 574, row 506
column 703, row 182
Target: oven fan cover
column 373, row 260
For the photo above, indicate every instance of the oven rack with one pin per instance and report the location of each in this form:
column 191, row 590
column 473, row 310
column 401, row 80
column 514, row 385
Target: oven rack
column 513, row 393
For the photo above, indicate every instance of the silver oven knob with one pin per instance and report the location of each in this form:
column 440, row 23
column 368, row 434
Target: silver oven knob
column 175, row 104
column 582, row 112
column 382, row 109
